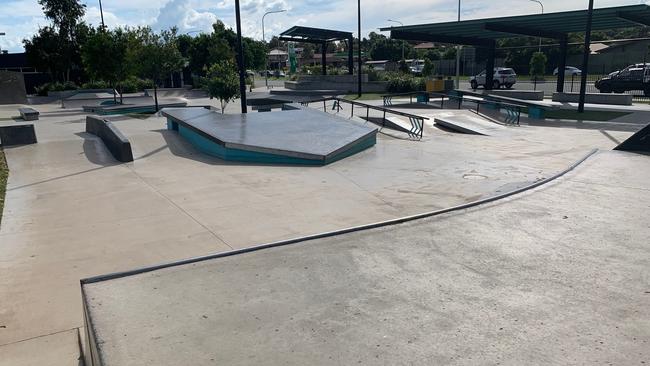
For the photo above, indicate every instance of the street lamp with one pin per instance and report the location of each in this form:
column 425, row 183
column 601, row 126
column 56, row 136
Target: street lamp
column 539, row 49
column 402, row 24
column 101, row 13
column 266, row 73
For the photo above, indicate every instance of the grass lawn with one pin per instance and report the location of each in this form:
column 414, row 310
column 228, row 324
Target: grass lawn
column 586, row 116
column 365, row 96
column 4, row 173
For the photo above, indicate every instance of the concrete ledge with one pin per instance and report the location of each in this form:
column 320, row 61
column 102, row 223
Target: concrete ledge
column 594, row 98
column 116, row 143
column 518, row 94
column 639, row 142
column 21, row 134
column 28, row 114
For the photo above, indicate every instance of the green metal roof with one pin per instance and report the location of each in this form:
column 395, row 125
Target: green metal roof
column 550, row 25
column 315, row 35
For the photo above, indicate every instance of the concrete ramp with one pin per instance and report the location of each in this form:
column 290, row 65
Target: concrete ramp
column 468, row 123
column 639, row 142
column 542, row 277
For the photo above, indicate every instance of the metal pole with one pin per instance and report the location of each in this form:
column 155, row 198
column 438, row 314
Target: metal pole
column 359, row 50
column 240, row 60
column 458, row 55
column 585, row 58
column 266, row 64
column 402, row 24
column 539, row 49
column 101, row 13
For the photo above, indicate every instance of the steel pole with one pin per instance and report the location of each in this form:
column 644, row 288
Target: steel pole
column 539, row 49
column 266, row 75
column 458, row 55
column 585, row 59
column 240, row 60
column 359, row 50
column 101, row 13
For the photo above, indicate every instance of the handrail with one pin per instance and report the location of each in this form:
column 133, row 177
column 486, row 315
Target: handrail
column 513, row 111
column 417, row 122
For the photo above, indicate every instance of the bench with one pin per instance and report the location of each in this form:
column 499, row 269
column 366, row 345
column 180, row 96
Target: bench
column 115, row 142
column 28, row 114
column 17, row 134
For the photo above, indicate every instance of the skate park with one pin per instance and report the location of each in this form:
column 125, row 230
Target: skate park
column 460, row 230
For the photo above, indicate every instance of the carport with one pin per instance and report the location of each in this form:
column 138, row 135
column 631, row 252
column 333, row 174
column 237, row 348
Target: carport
column 485, row 32
column 321, row 37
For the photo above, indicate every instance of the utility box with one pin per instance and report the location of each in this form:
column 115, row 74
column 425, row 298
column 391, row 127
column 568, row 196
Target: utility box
column 435, row 85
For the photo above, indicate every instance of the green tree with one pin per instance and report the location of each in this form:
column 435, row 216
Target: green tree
column 222, row 82
column 538, row 64
column 66, row 17
column 429, row 68
column 403, row 67
column 155, row 55
column 104, row 56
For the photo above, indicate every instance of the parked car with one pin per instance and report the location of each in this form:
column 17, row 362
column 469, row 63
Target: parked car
column 569, row 71
column 279, row 74
column 503, row 76
column 633, row 77
column 250, row 73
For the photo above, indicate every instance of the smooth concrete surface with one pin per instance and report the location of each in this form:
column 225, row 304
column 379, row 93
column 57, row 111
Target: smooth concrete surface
column 595, row 98
column 467, row 122
column 554, row 276
column 12, row 88
column 301, row 133
column 72, row 211
column 518, row 94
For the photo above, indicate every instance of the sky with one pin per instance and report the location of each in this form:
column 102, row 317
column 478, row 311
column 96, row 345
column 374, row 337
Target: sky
column 20, row 19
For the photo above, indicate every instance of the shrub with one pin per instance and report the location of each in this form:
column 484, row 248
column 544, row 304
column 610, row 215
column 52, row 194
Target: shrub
column 134, row 84
column 42, row 90
column 95, row 84
column 402, row 83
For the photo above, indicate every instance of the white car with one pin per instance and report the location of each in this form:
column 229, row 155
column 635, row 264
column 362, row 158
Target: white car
column 569, row 71
column 503, row 76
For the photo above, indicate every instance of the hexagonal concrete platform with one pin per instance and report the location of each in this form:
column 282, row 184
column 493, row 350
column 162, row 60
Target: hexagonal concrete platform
column 298, row 136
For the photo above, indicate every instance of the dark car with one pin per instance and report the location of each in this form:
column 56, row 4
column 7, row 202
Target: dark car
column 633, row 77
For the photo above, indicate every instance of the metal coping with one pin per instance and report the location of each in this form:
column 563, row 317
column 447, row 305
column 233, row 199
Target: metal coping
column 397, row 221
column 550, row 25
column 308, row 34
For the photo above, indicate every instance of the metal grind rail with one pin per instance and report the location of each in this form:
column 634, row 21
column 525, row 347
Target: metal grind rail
column 417, row 122
column 512, row 111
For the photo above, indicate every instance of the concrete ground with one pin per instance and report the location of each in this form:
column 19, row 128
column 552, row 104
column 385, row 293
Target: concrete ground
column 72, row 211
column 554, row 276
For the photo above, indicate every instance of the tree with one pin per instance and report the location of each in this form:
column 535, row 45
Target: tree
column 429, row 68
column 403, row 67
column 104, row 56
column 538, row 64
column 222, row 82
column 155, row 56
column 66, row 30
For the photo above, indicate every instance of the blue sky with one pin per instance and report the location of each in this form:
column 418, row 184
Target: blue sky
column 21, row 18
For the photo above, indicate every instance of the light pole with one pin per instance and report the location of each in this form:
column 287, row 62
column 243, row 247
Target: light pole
column 359, row 62
column 101, row 13
column 266, row 72
column 539, row 49
column 240, row 60
column 458, row 55
column 402, row 24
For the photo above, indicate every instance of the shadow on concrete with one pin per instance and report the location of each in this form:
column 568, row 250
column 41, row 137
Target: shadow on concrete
column 95, row 150
column 183, row 149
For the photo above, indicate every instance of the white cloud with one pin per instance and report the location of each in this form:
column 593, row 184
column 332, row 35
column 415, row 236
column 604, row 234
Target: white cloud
column 24, row 16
